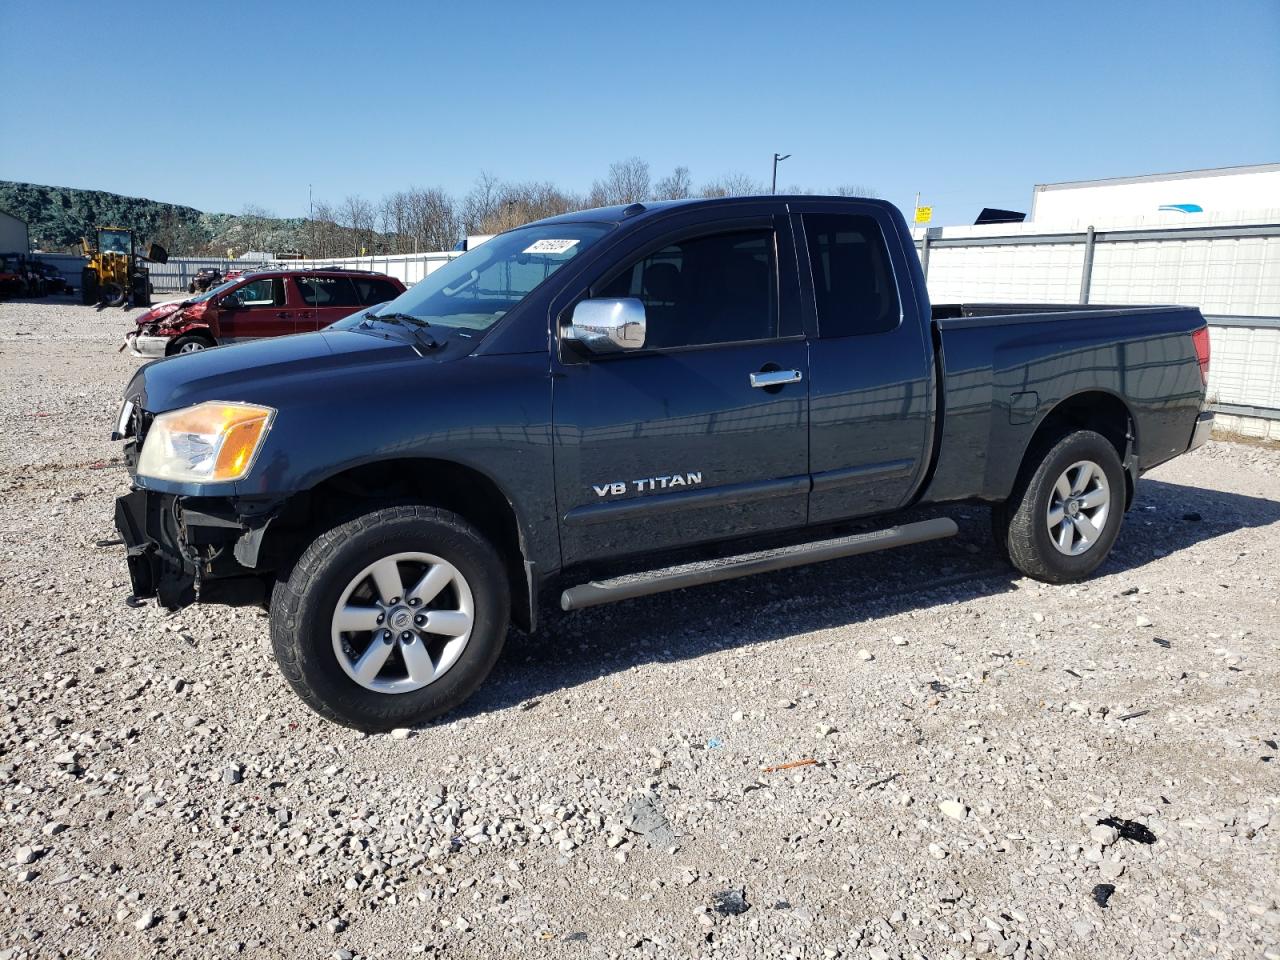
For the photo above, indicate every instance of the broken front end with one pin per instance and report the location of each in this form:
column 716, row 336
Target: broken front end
column 188, row 547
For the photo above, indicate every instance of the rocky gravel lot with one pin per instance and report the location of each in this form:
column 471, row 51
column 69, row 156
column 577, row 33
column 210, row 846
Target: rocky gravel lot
column 912, row 754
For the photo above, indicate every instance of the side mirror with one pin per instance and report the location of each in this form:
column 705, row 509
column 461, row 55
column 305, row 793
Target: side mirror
column 608, row 325
column 230, row 302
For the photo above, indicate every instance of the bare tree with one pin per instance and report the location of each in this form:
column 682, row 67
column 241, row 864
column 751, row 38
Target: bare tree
column 357, row 214
column 481, row 204
column 430, row 219
column 628, row 182
column 252, row 226
column 734, row 185
column 855, row 190
column 676, row 186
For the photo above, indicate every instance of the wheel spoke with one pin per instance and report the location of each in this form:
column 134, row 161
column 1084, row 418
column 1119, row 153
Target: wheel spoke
column 1056, row 515
column 1088, row 532
column 417, row 661
column 1083, row 475
column 1065, row 534
column 386, row 576
column 1097, row 497
column 438, row 577
column 1062, row 488
column 350, row 618
column 371, row 661
column 450, row 623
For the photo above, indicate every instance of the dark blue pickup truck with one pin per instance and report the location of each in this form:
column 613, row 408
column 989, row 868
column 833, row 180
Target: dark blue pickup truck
column 568, row 409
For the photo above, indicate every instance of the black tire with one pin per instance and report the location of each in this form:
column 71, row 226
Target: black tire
column 302, row 610
column 191, row 288
column 112, row 294
column 88, row 287
column 188, row 343
column 1021, row 524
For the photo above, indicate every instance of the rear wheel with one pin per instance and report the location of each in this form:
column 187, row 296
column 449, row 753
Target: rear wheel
column 1065, row 512
column 392, row 618
column 88, row 287
column 188, row 343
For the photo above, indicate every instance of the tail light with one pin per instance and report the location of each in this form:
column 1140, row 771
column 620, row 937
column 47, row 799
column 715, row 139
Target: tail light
column 1201, row 339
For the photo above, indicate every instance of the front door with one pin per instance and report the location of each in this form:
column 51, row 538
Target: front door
column 254, row 309
column 677, row 442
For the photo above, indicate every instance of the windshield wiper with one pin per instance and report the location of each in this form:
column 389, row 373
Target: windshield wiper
column 415, row 324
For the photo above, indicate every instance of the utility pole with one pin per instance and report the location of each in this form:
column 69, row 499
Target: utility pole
column 777, row 159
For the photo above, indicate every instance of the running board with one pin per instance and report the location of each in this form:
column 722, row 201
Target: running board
column 625, row 588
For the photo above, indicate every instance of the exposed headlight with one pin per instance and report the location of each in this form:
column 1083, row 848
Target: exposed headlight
column 208, row 443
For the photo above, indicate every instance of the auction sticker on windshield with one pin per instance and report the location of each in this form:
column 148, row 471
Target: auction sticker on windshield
column 550, row 246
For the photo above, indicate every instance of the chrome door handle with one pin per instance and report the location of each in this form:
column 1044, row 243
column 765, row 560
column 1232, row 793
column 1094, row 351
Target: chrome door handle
column 774, row 378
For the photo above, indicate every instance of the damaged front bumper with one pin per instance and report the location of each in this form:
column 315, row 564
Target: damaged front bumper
column 142, row 345
column 181, row 550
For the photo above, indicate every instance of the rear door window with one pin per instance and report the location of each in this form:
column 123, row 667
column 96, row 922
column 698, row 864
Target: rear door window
column 327, row 292
column 373, row 290
column 853, row 281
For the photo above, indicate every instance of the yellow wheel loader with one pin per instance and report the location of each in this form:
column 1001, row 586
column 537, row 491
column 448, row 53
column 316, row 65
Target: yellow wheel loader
column 114, row 275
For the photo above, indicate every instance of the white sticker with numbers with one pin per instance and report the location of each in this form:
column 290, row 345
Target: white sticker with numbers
column 551, row 246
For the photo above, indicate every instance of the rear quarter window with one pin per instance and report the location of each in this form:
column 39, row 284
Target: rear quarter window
column 853, row 280
column 327, row 291
column 372, row 290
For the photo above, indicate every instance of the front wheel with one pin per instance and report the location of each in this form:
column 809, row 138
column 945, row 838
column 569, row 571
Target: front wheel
column 188, row 343
column 1065, row 511
column 391, row 619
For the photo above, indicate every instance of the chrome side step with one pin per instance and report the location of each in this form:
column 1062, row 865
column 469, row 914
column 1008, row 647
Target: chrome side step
column 625, row 588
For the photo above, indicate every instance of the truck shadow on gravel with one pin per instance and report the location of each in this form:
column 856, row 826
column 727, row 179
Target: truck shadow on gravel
column 572, row 649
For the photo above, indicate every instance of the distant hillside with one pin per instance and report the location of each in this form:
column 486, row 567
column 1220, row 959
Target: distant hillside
column 58, row 217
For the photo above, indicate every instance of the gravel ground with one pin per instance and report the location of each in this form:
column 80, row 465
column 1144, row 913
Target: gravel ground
column 991, row 766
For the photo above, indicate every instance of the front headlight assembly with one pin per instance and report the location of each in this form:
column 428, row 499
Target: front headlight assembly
column 208, row 443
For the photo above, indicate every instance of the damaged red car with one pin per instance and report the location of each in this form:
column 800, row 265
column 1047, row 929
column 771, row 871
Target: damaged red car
column 271, row 303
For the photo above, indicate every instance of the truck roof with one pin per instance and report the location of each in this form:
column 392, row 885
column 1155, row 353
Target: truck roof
column 653, row 208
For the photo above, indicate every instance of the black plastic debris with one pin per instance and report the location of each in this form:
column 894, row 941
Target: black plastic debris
column 730, row 903
column 782, row 905
column 1162, row 642
column 576, row 936
column 1135, row 714
column 1130, row 830
column 1102, row 893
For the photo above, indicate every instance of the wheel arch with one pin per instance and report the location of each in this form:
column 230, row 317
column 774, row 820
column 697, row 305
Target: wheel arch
column 1101, row 411
column 460, row 488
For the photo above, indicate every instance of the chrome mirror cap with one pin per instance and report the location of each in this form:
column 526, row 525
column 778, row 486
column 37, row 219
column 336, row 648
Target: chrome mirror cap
column 608, row 325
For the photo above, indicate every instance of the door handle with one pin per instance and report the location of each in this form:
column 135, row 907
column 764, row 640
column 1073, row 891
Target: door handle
column 774, row 378
column 284, row 315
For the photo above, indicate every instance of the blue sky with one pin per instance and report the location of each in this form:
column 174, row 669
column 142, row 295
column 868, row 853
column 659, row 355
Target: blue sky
column 970, row 103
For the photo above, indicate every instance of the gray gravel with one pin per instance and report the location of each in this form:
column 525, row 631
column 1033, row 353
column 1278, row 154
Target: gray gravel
column 993, row 759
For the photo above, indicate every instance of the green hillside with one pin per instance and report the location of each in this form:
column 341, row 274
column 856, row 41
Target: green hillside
column 57, row 217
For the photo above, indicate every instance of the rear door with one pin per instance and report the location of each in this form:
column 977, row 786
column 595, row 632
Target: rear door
column 325, row 300
column 871, row 388
column 255, row 309
column 672, row 444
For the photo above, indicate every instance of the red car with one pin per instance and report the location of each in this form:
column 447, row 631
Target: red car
column 270, row 303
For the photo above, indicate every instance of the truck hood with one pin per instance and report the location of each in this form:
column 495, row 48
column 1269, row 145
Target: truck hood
column 281, row 370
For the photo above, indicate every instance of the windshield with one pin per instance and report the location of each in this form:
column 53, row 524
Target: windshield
column 113, row 241
column 477, row 289
column 213, row 292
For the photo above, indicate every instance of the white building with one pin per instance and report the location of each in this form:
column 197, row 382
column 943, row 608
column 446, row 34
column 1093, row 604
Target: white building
column 1202, row 196
column 13, row 234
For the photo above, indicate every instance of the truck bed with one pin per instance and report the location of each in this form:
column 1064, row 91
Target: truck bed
column 1004, row 366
